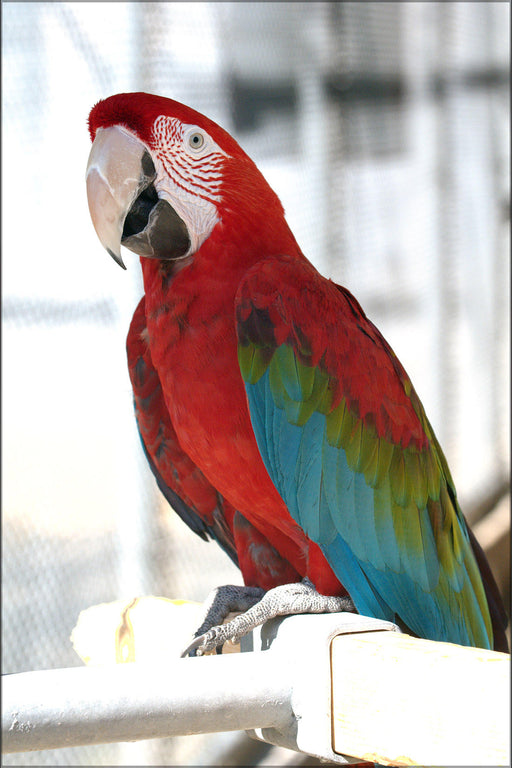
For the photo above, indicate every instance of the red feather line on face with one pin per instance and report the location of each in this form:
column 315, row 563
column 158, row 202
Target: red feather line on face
column 187, row 171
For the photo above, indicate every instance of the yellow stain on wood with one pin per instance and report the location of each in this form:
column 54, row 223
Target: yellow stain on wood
column 399, row 700
column 124, row 639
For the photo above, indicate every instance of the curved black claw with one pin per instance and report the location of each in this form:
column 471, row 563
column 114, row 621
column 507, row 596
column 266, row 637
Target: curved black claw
column 198, row 645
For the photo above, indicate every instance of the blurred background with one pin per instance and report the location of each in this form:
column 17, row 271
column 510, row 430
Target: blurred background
column 384, row 128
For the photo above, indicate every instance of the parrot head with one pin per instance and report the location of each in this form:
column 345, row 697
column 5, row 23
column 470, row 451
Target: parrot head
column 161, row 176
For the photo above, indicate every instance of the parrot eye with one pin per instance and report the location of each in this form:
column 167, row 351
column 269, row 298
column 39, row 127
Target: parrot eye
column 196, row 140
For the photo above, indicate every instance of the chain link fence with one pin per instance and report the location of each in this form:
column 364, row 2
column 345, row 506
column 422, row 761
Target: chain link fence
column 384, row 128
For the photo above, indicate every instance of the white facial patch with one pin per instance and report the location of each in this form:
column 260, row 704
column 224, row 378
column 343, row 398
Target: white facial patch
column 189, row 174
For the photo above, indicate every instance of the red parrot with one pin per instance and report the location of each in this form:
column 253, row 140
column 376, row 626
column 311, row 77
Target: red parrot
column 273, row 413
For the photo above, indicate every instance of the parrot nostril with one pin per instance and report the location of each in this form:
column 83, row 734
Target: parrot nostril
column 138, row 215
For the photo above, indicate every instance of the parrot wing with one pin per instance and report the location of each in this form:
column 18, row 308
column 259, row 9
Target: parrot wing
column 347, row 444
column 182, row 483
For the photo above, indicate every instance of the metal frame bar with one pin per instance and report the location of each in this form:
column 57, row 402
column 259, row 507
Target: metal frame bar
column 274, row 693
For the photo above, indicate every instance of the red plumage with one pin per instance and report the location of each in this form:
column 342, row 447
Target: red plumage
column 193, row 497
column 203, row 389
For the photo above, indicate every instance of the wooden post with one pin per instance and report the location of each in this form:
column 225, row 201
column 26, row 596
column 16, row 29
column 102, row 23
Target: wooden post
column 399, row 700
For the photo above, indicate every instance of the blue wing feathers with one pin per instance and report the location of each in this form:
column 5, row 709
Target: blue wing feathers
column 364, row 502
column 384, row 530
column 376, row 557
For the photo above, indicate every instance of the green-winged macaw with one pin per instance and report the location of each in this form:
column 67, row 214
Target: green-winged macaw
column 273, row 413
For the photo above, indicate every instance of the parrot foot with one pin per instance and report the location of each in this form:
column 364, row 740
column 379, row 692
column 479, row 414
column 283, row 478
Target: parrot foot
column 261, row 606
column 219, row 604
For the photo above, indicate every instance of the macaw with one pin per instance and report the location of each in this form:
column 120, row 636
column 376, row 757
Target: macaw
column 273, row 413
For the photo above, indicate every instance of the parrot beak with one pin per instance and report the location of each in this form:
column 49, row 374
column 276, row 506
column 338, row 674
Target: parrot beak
column 123, row 202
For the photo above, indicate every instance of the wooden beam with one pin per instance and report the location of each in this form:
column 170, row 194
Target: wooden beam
column 399, row 700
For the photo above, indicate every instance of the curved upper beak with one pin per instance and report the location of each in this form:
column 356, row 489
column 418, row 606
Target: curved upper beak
column 114, row 180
